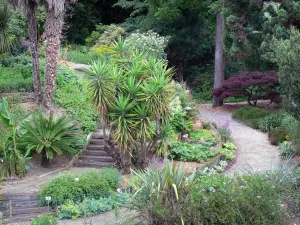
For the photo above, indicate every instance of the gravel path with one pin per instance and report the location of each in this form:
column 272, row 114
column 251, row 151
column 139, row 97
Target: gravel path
column 254, row 150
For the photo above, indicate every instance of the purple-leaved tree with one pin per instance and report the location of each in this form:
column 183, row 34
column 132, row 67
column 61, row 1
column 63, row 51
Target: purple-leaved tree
column 253, row 85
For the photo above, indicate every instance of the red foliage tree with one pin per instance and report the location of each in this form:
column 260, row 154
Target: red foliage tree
column 254, row 85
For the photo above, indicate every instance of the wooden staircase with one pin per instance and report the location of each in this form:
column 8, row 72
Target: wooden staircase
column 21, row 207
column 94, row 155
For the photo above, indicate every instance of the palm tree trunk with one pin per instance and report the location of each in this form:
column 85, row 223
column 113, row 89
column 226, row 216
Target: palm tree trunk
column 219, row 58
column 45, row 161
column 126, row 161
column 54, row 23
column 33, row 36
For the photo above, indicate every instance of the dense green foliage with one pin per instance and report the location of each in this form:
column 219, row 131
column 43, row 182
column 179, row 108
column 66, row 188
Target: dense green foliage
column 184, row 151
column 167, row 196
column 16, row 73
column 90, row 206
column 287, row 57
column 71, row 93
column 278, row 135
column 251, row 115
column 45, row 220
column 92, row 184
column 228, row 150
column 271, row 121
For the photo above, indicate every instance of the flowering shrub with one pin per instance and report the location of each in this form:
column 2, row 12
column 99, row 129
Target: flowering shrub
column 45, row 220
column 254, row 85
column 149, row 42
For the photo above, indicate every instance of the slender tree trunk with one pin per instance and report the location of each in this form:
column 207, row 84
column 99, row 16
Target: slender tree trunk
column 33, row 36
column 54, row 23
column 45, row 161
column 219, row 58
column 142, row 161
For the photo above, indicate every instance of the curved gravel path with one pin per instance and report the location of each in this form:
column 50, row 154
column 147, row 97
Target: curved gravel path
column 254, row 150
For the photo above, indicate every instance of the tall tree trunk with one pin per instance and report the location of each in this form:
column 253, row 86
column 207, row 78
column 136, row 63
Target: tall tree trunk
column 219, row 58
column 142, row 161
column 126, row 161
column 33, row 37
column 54, row 23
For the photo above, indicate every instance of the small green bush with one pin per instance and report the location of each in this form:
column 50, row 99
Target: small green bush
column 91, row 206
column 251, row 115
column 228, row 150
column 277, row 135
column 205, row 135
column 239, row 200
column 91, row 183
column 45, row 220
column 285, row 148
column 271, row 121
column 112, row 176
column 81, row 57
column 191, row 152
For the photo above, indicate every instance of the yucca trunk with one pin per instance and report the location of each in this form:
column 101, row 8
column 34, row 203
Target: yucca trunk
column 142, row 161
column 126, row 161
column 54, row 23
column 45, row 161
column 33, row 37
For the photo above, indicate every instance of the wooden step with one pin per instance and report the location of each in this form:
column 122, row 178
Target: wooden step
column 97, row 141
column 89, row 164
column 18, row 204
column 23, row 217
column 95, row 152
column 95, row 147
column 96, row 158
column 25, row 210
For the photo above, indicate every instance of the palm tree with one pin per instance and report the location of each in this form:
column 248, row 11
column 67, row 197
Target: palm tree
column 29, row 9
column 49, row 136
column 55, row 10
column 5, row 43
column 102, row 89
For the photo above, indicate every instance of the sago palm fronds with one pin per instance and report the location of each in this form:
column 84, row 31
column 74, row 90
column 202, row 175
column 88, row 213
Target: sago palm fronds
column 50, row 135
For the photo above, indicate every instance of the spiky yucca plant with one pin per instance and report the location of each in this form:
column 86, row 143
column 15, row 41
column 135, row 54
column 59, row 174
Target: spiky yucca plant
column 50, row 136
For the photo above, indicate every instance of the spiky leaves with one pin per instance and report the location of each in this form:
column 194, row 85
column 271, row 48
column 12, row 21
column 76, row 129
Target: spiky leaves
column 5, row 42
column 50, row 136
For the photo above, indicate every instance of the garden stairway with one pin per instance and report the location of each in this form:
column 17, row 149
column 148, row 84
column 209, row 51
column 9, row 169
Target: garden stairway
column 19, row 208
column 94, row 155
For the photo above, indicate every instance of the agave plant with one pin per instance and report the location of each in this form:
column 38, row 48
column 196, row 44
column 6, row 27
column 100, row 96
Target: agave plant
column 5, row 42
column 49, row 136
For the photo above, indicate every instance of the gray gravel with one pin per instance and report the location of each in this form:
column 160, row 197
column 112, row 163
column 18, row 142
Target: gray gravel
column 254, row 150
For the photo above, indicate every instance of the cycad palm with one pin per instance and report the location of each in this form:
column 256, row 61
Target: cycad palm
column 49, row 136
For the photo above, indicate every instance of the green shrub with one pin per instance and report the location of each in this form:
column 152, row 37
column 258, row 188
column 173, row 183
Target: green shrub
column 285, row 148
column 206, row 125
column 112, row 176
column 69, row 210
column 204, row 135
column 191, row 152
column 271, row 121
column 90, row 206
column 71, row 187
column 45, row 220
column 238, row 200
column 278, row 135
column 251, row 115
column 228, row 150
column 93, row 184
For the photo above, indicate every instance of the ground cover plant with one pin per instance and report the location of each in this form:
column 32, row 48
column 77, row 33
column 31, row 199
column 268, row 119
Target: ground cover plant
column 251, row 115
column 90, row 184
column 45, row 220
